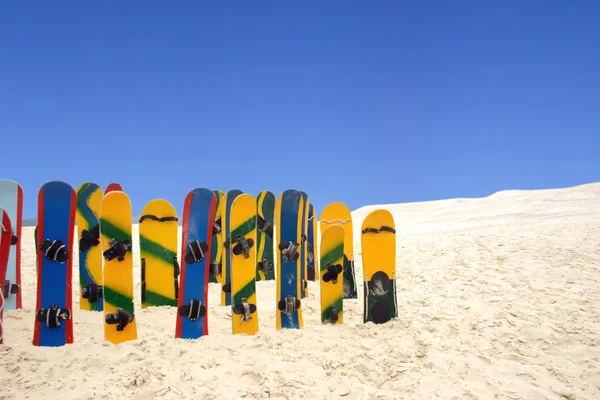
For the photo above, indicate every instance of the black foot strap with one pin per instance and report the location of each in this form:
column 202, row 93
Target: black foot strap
column 380, row 312
column 332, row 273
column 143, row 280
column 245, row 308
column 289, row 250
column 226, row 288
column 217, row 227
column 288, row 305
column 117, row 250
column 10, row 289
column 89, row 238
column 14, row 239
column 379, row 284
column 265, row 266
column 311, row 253
column 265, row 226
column 176, row 276
column 242, row 246
column 53, row 316
column 55, row 250
column 215, row 268
column 195, row 252
column 122, row 318
column 92, row 292
column 333, row 314
column 193, row 311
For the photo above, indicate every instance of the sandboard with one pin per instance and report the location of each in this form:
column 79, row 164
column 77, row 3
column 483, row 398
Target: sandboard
column 199, row 211
column 337, row 213
column 332, row 282
column 89, row 197
column 265, row 262
column 226, row 202
column 311, row 251
column 304, row 245
column 5, row 239
column 288, row 222
column 216, row 249
column 378, row 242
column 158, row 234
column 55, row 234
column 11, row 200
column 244, row 314
column 116, row 246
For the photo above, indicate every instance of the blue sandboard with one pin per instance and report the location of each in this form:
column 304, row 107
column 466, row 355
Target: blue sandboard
column 56, row 221
column 288, row 269
column 198, row 218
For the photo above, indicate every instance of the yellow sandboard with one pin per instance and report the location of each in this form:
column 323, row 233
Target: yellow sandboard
column 89, row 197
column 337, row 213
column 216, row 248
column 332, row 283
column 226, row 203
column 243, row 265
column 378, row 243
column 158, row 233
column 115, row 225
column 314, row 228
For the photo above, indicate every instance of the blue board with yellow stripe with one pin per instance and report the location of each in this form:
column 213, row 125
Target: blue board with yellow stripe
column 289, row 305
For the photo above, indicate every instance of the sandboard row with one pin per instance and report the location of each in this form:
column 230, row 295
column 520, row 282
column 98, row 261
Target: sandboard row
column 238, row 222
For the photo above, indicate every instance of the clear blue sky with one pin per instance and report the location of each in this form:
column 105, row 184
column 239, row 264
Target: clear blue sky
column 360, row 102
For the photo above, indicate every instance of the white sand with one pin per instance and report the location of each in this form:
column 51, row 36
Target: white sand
column 498, row 298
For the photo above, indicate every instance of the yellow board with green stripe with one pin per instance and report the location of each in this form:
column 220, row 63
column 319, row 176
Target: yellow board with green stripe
column 115, row 243
column 216, row 248
column 158, row 233
column 338, row 213
column 243, row 264
column 332, row 282
column 378, row 244
column 89, row 197
column 224, row 207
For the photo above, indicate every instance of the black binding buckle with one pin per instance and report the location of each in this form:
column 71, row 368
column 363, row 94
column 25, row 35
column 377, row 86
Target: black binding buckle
column 14, row 239
column 265, row 266
column 92, row 292
column 89, row 238
column 117, row 250
column 55, row 250
column 176, row 276
column 243, row 246
column 333, row 314
column 290, row 305
column 215, row 268
column 289, row 250
column 333, row 271
column 121, row 317
column 10, row 288
column 196, row 252
column 265, row 226
column 193, row 311
column 217, row 227
column 53, row 316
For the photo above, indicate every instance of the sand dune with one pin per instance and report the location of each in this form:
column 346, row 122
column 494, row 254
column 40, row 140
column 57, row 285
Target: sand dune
column 498, row 298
